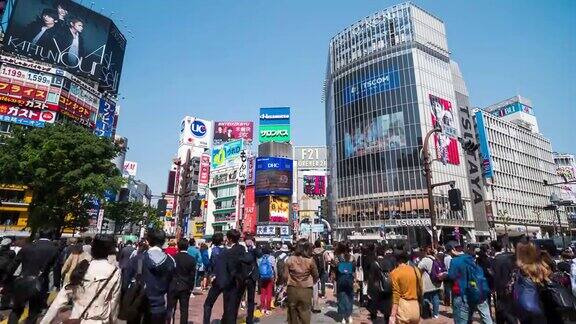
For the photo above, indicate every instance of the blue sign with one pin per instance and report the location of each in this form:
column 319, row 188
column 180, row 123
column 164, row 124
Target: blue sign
column 21, row 121
column 512, row 108
column 105, row 120
column 485, row 156
column 275, row 116
column 372, row 85
column 198, row 128
column 273, row 176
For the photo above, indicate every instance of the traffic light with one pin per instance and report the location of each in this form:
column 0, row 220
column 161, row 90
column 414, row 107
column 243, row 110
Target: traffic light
column 277, row 229
column 455, row 199
column 469, row 146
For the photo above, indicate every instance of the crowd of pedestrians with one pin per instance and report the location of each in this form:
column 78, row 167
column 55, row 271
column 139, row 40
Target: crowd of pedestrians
column 101, row 281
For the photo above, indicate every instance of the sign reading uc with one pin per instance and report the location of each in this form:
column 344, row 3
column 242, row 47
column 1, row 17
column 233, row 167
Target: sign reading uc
column 198, row 128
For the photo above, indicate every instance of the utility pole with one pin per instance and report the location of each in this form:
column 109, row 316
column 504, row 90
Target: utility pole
column 429, row 187
column 504, row 215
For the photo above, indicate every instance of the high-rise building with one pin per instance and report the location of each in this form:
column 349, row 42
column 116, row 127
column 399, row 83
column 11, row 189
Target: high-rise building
column 516, row 161
column 389, row 80
column 566, row 171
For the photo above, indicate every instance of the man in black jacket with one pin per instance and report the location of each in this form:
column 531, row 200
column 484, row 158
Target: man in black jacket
column 379, row 280
column 182, row 282
column 250, row 263
column 503, row 265
column 237, row 272
column 220, row 276
column 37, row 260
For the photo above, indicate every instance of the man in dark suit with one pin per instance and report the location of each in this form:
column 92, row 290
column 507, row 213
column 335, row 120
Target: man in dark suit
column 250, row 264
column 220, row 276
column 182, row 282
column 37, row 259
column 232, row 293
column 503, row 266
column 42, row 32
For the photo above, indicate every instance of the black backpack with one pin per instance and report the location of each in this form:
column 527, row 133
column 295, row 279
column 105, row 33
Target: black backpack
column 132, row 300
column 383, row 284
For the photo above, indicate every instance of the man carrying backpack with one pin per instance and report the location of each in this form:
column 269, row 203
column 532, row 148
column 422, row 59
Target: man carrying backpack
column 155, row 269
column 470, row 290
column 380, row 285
column 318, row 256
column 433, row 273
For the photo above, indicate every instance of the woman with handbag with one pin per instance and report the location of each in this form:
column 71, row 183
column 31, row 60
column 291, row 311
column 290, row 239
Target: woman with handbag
column 94, row 288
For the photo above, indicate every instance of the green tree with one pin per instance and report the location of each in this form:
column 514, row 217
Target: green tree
column 130, row 212
column 64, row 165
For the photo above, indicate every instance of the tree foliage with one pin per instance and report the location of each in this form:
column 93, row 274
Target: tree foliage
column 64, row 165
column 130, row 212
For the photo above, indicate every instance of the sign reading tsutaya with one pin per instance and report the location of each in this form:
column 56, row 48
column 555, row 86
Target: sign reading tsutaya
column 313, row 157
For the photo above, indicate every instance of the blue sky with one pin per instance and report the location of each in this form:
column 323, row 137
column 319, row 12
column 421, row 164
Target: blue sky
column 222, row 60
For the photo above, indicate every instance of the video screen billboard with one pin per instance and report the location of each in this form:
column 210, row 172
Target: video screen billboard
column 273, row 176
column 315, row 186
column 274, row 133
column 279, row 209
column 275, row 116
column 382, row 133
column 229, row 131
column 66, row 34
column 447, row 141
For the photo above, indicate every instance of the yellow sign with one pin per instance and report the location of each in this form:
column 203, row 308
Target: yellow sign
column 13, row 186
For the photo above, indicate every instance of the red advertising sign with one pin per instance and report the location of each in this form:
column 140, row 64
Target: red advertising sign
column 27, row 103
column 21, row 91
column 204, row 176
column 26, row 113
column 447, row 141
column 230, row 131
column 74, row 108
column 250, row 216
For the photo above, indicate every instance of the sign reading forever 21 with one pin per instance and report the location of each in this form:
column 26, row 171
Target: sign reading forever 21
column 310, row 157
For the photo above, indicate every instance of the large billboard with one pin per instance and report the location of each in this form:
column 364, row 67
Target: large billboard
column 273, row 176
column 25, row 116
column 275, row 116
column 382, row 133
column 227, row 131
column 68, row 35
column 279, row 209
column 274, row 133
column 485, row 155
column 315, row 185
column 227, row 155
column 310, row 157
column 372, row 85
column 512, row 108
column 196, row 132
column 105, row 118
column 446, row 142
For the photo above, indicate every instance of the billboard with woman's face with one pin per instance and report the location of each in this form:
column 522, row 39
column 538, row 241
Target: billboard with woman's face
column 68, row 35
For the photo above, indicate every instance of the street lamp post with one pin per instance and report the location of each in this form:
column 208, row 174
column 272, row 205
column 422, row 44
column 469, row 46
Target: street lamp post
column 504, row 215
column 429, row 187
column 538, row 212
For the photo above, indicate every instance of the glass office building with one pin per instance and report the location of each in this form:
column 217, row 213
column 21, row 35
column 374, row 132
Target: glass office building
column 388, row 79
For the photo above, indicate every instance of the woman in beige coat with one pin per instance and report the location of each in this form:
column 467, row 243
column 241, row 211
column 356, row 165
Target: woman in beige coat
column 86, row 280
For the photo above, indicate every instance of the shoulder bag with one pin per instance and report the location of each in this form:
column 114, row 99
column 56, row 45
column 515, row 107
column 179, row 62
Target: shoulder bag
column 79, row 320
